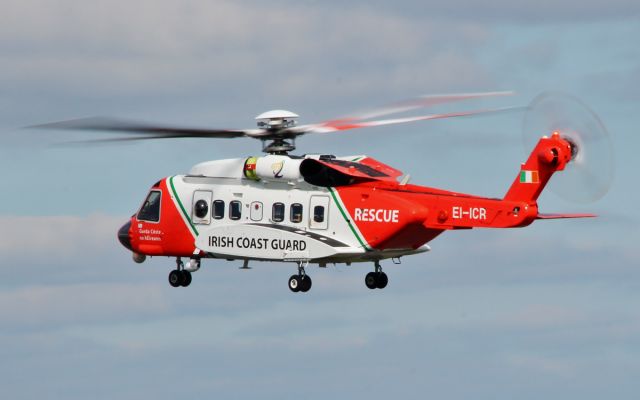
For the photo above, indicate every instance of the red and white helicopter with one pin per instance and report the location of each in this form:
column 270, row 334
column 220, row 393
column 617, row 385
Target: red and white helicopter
column 321, row 209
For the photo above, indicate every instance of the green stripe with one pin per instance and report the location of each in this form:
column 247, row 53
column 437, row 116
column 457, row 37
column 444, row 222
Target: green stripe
column 358, row 159
column 344, row 215
column 184, row 212
column 523, row 176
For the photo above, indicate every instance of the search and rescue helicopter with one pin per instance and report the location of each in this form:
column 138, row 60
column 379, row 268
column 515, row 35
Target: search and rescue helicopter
column 323, row 209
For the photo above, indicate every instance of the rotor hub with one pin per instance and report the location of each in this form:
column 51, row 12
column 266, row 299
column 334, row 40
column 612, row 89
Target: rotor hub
column 278, row 146
column 277, row 140
column 276, row 119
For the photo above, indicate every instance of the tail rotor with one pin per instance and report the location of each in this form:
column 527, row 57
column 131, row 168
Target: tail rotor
column 588, row 177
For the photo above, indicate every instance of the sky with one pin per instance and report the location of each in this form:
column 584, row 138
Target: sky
column 549, row 311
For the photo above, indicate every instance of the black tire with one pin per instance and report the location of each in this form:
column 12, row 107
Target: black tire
column 306, row 284
column 186, row 279
column 295, row 283
column 382, row 280
column 371, row 280
column 175, row 278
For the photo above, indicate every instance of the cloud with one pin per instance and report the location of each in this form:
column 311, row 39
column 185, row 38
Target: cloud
column 52, row 306
column 63, row 237
column 168, row 47
column 509, row 11
column 560, row 367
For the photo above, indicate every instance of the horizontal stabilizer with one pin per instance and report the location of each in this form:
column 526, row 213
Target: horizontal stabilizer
column 560, row 216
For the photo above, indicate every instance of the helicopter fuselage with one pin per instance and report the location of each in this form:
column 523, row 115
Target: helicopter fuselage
column 321, row 209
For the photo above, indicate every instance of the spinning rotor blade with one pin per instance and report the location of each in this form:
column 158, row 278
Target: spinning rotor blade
column 588, row 177
column 360, row 120
column 421, row 102
column 343, row 125
column 276, row 126
column 146, row 131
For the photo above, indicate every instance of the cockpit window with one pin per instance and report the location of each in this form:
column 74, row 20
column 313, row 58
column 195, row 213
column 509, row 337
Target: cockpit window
column 150, row 210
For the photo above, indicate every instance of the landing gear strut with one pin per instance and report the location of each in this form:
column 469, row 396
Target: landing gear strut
column 376, row 279
column 179, row 276
column 300, row 282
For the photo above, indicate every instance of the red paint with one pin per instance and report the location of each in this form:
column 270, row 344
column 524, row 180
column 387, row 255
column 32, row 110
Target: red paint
column 425, row 212
column 168, row 237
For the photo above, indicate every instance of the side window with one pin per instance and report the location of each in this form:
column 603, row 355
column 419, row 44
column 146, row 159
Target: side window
column 150, row 210
column 318, row 214
column 277, row 213
column 235, row 210
column 218, row 209
column 296, row 212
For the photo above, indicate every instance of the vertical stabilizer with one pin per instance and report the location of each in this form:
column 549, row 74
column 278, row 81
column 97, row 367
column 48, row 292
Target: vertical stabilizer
column 551, row 154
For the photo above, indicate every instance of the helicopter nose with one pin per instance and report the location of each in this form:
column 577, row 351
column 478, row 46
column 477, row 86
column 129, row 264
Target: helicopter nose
column 123, row 235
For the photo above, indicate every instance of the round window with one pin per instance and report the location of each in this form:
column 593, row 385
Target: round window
column 201, row 209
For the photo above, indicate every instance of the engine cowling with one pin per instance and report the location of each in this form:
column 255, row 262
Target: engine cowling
column 273, row 168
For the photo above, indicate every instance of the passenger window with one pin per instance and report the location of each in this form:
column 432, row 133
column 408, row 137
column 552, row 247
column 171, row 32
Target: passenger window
column 235, row 210
column 296, row 212
column 318, row 214
column 277, row 214
column 218, row 209
column 150, row 210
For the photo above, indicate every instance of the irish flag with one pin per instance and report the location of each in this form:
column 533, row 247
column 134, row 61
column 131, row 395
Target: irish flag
column 529, row 176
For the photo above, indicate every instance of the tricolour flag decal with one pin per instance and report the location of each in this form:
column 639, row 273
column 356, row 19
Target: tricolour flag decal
column 529, row 177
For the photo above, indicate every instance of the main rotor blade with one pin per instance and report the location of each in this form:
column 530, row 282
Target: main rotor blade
column 343, row 125
column 421, row 102
column 150, row 131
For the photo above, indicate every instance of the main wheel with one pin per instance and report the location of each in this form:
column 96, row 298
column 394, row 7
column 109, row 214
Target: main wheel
column 371, row 280
column 295, row 283
column 382, row 280
column 306, row 284
column 175, row 278
column 186, row 278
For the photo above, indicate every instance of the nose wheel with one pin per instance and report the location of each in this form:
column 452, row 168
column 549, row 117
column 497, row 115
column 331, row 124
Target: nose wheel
column 179, row 277
column 300, row 282
column 376, row 279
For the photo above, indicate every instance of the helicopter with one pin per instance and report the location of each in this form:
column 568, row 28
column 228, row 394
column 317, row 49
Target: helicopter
column 324, row 209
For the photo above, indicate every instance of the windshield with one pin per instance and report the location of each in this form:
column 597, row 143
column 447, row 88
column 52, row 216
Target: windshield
column 150, row 210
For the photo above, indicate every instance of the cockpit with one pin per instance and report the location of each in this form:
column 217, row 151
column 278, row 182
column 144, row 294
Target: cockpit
column 150, row 210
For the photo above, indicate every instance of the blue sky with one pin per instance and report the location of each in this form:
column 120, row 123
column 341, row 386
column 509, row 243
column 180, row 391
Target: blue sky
column 547, row 311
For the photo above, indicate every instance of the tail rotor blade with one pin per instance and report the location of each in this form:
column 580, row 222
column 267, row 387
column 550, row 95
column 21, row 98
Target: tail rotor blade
column 588, row 177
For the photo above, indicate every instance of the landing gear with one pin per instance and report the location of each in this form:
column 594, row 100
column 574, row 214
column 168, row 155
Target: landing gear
column 186, row 278
column 300, row 282
column 179, row 276
column 376, row 279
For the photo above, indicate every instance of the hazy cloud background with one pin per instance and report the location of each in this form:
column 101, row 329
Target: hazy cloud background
column 548, row 311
